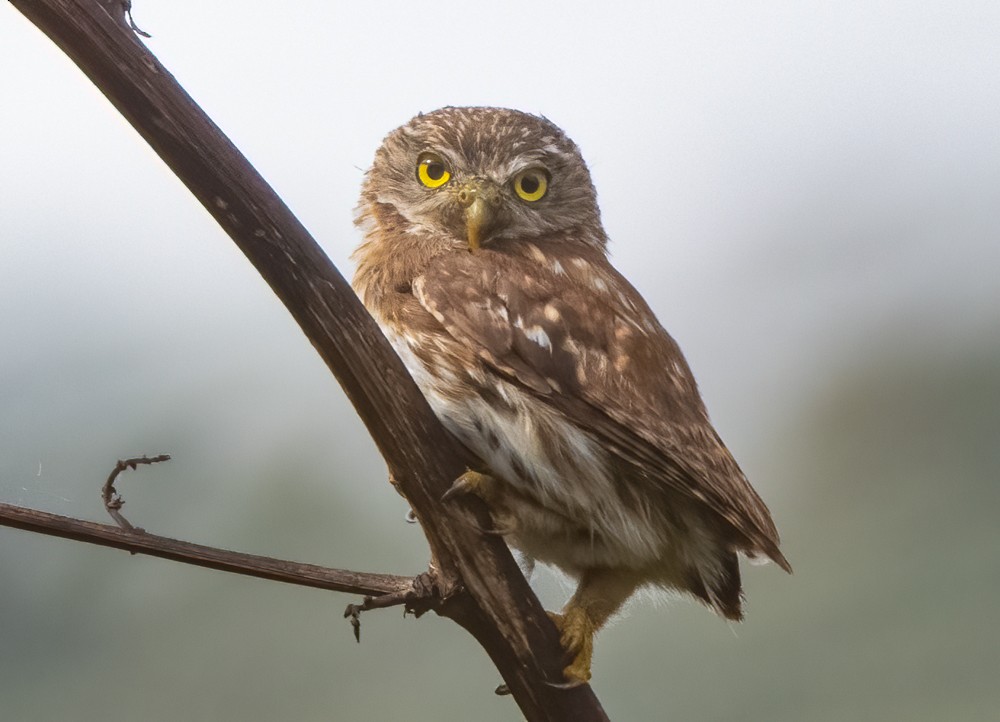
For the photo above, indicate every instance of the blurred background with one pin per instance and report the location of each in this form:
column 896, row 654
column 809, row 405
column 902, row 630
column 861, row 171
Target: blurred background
column 808, row 194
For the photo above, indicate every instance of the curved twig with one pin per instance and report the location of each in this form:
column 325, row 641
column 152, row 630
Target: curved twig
column 113, row 501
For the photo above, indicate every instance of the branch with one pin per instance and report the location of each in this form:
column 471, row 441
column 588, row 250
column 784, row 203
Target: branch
column 138, row 542
column 479, row 584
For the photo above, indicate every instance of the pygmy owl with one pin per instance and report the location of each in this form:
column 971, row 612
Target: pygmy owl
column 485, row 264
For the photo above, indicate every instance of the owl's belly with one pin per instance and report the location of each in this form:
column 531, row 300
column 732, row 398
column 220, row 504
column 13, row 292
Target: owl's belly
column 557, row 493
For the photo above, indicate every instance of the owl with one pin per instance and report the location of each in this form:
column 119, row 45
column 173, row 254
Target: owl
column 485, row 264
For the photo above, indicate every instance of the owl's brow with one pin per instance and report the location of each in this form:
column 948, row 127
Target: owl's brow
column 536, row 157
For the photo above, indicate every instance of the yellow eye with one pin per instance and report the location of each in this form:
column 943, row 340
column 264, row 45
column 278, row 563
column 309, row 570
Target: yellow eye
column 431, row 170
column 530, row 185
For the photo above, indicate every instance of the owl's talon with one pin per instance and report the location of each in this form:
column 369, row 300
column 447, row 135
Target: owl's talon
column 576, row 634
column 471, row 482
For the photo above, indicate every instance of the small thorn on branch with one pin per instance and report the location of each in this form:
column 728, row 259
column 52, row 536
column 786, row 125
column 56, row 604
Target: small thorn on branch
column 113, row 501
column 422, row 596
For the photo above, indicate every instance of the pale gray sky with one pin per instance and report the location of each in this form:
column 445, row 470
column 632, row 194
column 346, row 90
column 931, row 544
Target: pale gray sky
column 834, row 165
column 796, row 186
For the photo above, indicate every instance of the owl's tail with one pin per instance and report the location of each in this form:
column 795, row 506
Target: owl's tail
column 721, row 590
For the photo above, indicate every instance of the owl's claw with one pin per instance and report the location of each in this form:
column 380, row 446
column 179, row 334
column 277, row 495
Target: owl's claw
column 486, row 488
column 471, row 482
column 576, row 633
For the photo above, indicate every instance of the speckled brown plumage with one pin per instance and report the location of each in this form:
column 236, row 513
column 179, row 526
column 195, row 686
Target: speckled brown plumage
column 489, row 275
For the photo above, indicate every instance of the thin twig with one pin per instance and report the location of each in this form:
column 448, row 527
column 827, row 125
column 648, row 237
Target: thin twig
column 131, row 23
column 307, row 575
column 113, row 501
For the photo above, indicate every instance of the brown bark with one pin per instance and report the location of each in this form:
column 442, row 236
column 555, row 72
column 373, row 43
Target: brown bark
column 476, row 580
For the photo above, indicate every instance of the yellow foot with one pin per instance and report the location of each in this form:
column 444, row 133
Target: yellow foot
column 471, row 482
column 576, row 633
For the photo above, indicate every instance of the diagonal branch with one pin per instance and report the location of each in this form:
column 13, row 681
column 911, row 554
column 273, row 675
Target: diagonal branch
column 478, row 582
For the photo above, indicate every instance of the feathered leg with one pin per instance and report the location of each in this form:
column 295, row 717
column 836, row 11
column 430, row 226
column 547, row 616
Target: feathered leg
column 600, row 594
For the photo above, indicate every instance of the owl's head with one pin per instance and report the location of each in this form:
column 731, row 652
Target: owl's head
column 474, row 176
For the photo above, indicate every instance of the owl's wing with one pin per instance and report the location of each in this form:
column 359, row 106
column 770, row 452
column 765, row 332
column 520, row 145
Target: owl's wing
column 580, row 338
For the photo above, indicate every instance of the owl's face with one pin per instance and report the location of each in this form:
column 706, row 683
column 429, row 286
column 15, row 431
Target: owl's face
column 476, row 175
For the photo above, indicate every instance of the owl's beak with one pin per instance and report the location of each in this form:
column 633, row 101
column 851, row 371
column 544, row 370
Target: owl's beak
column 479, row 204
